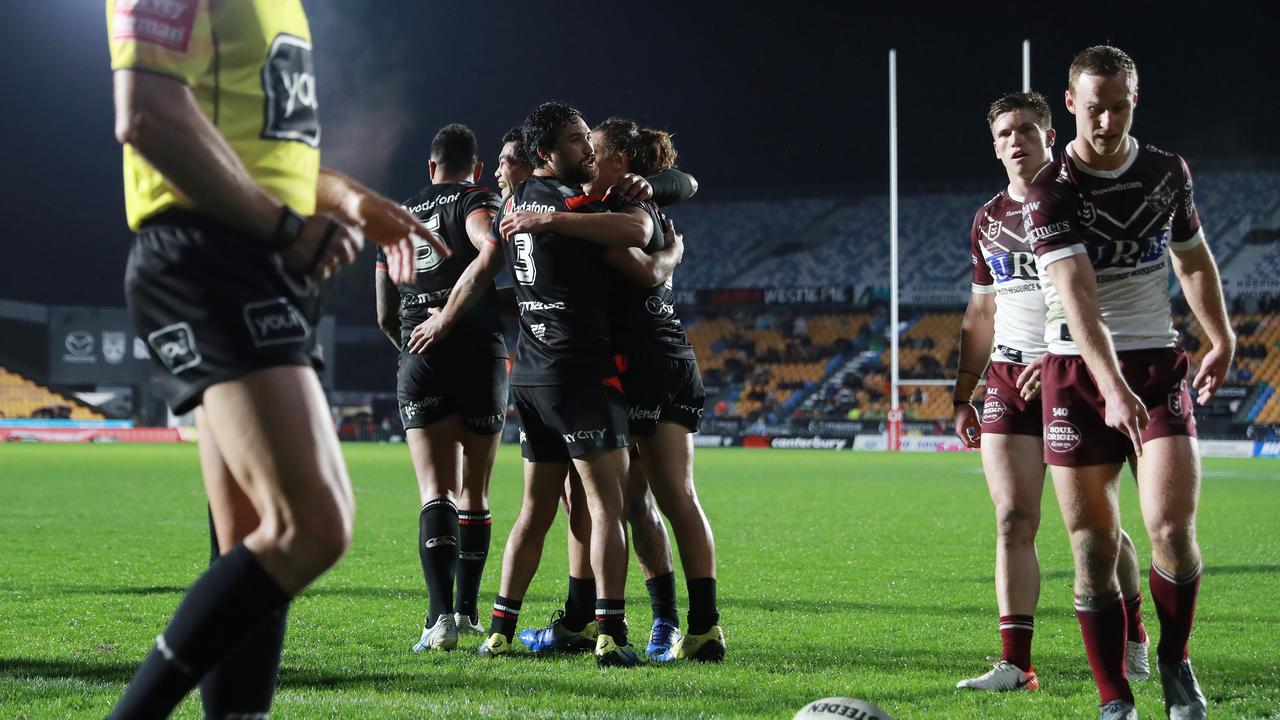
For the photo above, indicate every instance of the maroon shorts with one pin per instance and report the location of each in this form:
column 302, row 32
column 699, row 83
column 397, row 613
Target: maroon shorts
column 1075, row 429
column 1004, row 412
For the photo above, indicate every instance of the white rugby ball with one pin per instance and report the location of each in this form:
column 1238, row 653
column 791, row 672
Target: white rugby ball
column 842, row 707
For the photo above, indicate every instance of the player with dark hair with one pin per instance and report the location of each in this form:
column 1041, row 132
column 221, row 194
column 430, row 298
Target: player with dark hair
column 236, row 223
column 1003, row 333
column 1102, row 219
column 452, row 395
column 514, row 166
column 566, row 388
column 664, row 395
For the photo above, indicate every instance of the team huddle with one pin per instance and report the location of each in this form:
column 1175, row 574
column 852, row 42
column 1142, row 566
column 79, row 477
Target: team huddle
column 604, row 381
column 237, row 223
column 1070, row 319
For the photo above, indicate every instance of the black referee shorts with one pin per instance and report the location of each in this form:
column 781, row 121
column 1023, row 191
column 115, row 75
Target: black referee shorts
column 662, row 387
column 561, row 422
column 434, row 385
column 213, row 305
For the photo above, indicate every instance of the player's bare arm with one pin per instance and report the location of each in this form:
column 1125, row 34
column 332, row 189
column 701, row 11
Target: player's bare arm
column 629, row 228
column 977, row 334
column 1078, row 287
column 649, row 270
column 1197, row 273
column 469, row 288
column 387, row 298
column 157, row 115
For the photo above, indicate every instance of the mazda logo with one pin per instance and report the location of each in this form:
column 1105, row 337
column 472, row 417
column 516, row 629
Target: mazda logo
column 79, row 343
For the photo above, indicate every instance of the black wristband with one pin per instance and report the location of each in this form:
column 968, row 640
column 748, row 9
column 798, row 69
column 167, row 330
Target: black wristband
column 288, row 229
column 324, row 245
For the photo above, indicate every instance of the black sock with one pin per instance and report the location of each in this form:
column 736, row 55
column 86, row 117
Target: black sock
column 612, row 617
column 580, row 606
column 506, row 613
column 438, row 548
column 662, row 597
column 475, row 528
column 243, row 684
column 228, row 603
column 703, row 613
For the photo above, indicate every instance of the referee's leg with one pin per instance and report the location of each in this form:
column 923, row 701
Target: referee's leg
column 273, row 430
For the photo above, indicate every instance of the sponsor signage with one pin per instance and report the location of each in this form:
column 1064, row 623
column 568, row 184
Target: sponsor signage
column 91, row 346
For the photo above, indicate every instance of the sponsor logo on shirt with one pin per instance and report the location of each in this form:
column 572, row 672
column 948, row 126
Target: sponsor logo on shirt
column 175, row 345
column 657, row 308
column 275, row 322
column 534, row 207
column 1006, row 266
column 167, row 23
column 289, row 84
column 533, row 305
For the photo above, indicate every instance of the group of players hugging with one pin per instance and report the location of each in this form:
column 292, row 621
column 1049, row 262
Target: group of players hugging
column 237, row 223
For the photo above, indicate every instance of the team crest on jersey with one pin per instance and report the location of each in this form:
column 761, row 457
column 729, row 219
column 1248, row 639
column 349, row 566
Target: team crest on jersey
column 1162, row 196
column 289, row 89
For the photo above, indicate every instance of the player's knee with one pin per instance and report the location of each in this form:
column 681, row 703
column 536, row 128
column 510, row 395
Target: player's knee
column 1017, row 525
column 1172, row 538
column 1096, row 552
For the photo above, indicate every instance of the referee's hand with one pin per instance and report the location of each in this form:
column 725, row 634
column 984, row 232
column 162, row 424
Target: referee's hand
column 395, row 229
column 325, row 246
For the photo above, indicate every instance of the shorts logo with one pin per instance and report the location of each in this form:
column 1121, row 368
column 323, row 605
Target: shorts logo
column 993, row 410
column 523, row 438
column 578, row 435
column 411, row 409
column 275, row 322
column 1175, row 399
column 1061, row 436
column 657, row 308
column 690, row 409
column 635, row 412
column 175, row 345
column 289, row 87
column 484, row 422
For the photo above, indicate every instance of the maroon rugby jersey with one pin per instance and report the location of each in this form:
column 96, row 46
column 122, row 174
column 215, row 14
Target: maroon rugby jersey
column 1125, row 219
column 1005, row 264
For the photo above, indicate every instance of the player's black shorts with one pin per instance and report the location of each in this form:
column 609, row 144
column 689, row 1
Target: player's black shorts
column 213, row 305
column 560, row 422
column 431, row 386
column 660, row 387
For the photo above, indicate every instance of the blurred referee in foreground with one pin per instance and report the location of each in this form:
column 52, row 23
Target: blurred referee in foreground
column 237, row 222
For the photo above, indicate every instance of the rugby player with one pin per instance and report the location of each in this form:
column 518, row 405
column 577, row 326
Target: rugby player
column 1004, row 326
column 236, row 223
column 1102, row 219
column 513, row 163
column 452, row 396
column 664, row 395
column 566, row 388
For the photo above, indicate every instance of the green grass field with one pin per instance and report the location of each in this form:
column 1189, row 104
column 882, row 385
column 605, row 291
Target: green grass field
column 865, row 575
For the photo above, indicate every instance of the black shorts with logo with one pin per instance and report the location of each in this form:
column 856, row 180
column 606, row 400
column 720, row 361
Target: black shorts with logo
column 662, row 387
column 434, row 385
column 214, row 304
column 560, row 422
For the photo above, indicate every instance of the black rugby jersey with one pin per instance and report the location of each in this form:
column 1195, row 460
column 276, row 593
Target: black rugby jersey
column 646, row 317
column 445, row 208
column 561, row 285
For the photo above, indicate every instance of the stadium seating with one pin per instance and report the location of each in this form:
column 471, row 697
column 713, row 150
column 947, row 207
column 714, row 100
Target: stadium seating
column 23, row 398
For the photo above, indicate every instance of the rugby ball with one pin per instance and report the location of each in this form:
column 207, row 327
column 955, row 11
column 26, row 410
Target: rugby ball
column 842, row 707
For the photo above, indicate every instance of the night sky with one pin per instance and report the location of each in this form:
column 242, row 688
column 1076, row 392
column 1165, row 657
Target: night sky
column 763, row 97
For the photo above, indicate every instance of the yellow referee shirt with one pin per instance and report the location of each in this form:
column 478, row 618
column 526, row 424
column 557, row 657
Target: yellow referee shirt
column 248, row 62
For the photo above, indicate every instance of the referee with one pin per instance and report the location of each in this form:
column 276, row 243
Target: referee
column 236, row 221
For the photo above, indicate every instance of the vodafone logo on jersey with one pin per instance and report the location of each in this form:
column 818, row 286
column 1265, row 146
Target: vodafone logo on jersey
column 1061, row 436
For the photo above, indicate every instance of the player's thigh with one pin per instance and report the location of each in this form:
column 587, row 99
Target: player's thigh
column 1169, row 481
column 274, row 430
column 1088, row 496
column 1014, row 466
column 667, row 458
column 437, row 460
column 234, row 515
column 603, row 473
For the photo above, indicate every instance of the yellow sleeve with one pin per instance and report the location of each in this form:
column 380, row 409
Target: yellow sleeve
column 171, row 37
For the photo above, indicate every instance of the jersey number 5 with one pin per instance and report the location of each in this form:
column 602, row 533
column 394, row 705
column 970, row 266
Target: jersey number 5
column 425, row 257
column 523, row 268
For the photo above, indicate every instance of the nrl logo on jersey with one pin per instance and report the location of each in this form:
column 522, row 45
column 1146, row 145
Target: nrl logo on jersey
column 992, row 230
column 1088, row 213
